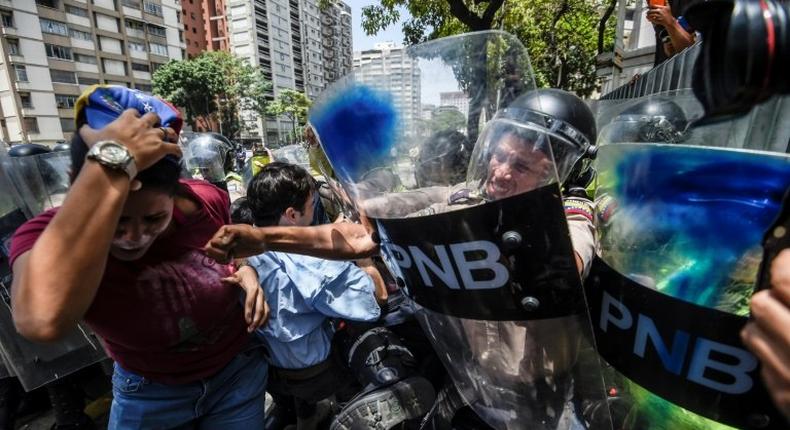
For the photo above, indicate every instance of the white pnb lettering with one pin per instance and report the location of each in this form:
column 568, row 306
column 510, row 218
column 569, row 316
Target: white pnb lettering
column 497, row 273
column 490, row 262
column 617, row 314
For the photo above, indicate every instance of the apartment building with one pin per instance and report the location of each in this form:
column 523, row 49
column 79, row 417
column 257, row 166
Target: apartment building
column 51, row 50
column 296, row 44
column 205, row 26
column 456, row 99
column 387, row 66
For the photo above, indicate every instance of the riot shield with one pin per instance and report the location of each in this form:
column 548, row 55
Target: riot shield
column 41, row 180
column 29, row 185
column 681, row 223
column 480, row 242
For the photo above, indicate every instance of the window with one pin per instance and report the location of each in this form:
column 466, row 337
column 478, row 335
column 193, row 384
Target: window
column 74, row 10
column 87, row 81
column 87, row 59
column 134, row 46
column 155, row 66
column 141, row 67
column 48, row 3
column 68, row 125
column 62, row 76
column 31, row 124
column 21, row 73
column 82, row 35
column 158, row 48
column 135, row 25
column 156, row 30
column 152, row 8
column 65, row 101
column 60, row 52
column 8, row 18
column 146, row 88
column 54, row 27
column 192, row 15
column 131, row 3
column 13, row 46
column 114, row 67
column 26, row 100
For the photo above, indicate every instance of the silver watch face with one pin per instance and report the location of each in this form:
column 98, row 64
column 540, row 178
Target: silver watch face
column 114, row 153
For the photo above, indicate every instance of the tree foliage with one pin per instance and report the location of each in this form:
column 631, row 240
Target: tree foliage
column 293, row 105
column 560, row 35
column 213, row 88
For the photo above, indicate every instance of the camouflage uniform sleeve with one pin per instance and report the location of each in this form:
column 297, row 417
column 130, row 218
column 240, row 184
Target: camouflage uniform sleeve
column 404, row 203
column 579, row 212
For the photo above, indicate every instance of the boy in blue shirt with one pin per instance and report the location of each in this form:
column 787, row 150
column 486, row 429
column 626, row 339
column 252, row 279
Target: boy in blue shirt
column 304, row 295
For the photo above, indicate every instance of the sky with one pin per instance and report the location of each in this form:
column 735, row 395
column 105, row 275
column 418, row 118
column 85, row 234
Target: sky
column 361, row 40
column 431, row 87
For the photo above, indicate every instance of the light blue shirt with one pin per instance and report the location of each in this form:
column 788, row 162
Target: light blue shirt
column 303, row 293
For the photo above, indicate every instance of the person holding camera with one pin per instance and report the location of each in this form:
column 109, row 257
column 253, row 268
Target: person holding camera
column 672, row 31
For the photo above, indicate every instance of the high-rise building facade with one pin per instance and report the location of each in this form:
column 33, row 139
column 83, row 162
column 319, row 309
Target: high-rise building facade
column 287, row 39
column 387, row 66
column 51, row 50
column 205, row 26
column 457, row 99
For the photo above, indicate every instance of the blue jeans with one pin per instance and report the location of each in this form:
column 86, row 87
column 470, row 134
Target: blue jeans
column 232, row 399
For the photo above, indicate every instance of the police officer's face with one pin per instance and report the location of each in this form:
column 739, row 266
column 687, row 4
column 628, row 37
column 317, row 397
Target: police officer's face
column 515, row 167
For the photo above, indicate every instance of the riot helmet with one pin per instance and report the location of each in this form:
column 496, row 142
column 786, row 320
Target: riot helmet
column 209, row 156
column 442, row 159
column 658, row 120
column 27, row 149
column 61, row 146
column 546, row 123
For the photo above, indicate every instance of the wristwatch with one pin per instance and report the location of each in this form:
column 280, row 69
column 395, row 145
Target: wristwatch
column 114, row 155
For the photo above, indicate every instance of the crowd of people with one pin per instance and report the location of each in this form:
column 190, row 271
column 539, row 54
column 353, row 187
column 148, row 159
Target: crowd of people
column 205, row 304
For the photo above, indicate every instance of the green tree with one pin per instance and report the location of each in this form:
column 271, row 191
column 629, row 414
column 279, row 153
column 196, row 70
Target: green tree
column 447, row 119
column 560, row 36
column 293, row 105
column 213, row 86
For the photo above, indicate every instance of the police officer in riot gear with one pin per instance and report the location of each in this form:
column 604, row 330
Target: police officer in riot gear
column 513, row 167
column 657, row 119
column 209, row 156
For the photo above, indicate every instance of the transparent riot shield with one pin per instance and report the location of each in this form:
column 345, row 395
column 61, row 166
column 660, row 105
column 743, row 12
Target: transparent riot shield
column 681, row 223
column 29, row 185
column 40, row 180
column 472, row 226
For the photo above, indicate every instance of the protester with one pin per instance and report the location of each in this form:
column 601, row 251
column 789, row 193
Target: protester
column 305, row 294
column 124, row 254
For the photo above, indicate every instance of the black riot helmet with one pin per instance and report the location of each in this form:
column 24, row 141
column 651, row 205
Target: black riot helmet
column 62, row 146
column 657, row 120
column 568, row 121
column 28, row 149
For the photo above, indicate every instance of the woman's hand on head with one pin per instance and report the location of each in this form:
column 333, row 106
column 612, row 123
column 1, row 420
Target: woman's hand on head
column 141, row 135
